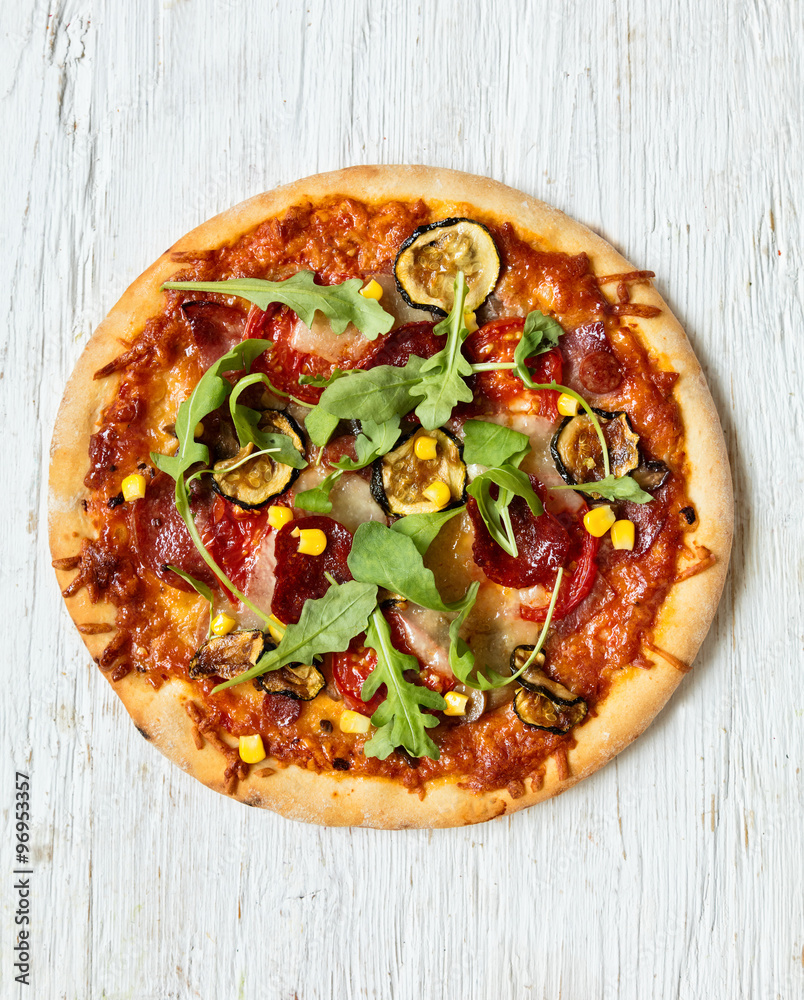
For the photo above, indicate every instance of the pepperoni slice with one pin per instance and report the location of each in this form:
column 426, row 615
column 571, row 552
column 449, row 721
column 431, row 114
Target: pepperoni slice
column 161, row 537
column 600, row 372
column 300, row 577
column 590, row 365
column 648, row 518
column 577, row 582
column 543, row 544
column 215, row 329
column 497, row 341
column 400, row 344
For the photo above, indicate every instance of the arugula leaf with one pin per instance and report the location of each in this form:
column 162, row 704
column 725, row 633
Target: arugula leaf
column 391, row 560
column 375, row 394
column 540, row 334
column 442, row 376
column 486, row 443
column 320, row 425
column 327, row 625
column 613, row 488
column 512, row 482
column 211, row 392
column 373, row 441
column 246, row 422
column 422, row 529
column 399, row 719
column 317, row 499
column 341, row 304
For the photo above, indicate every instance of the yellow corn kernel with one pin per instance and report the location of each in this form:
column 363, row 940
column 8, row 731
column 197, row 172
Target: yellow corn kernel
column 354, row 722
column 251, row 749
column 425, row 447
column 456, row 703
column 373, row 290
column 199, row 430
column 276, row 629
column 438, row 493
column 278, row 516
column 470, row 321
column 312, row 541
column 598, row 520
column 133, row 487
column 567, row 405
column 222, row 624
column 622, row 534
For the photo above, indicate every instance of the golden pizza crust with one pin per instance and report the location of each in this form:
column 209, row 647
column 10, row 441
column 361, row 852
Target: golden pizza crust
column 636, row 695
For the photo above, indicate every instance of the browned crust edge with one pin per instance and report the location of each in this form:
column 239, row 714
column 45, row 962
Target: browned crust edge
column 636, row 696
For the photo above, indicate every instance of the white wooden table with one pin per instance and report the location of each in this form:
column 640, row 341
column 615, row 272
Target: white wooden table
column 674, row 129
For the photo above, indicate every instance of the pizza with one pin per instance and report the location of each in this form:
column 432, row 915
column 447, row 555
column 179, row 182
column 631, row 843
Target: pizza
column 392, row 497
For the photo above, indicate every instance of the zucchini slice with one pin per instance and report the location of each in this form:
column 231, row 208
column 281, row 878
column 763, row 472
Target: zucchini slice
column 429, row 259
column 401, row 480
column 577, row 452
column 301, row 682
column 228, row 655
column 542, row 702
column 256, row 482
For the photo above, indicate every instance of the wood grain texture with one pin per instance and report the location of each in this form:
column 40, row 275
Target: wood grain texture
column 673, row 129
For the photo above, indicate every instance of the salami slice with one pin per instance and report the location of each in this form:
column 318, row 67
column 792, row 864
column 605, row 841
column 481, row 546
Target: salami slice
column 648, row 519
column 161, row 537
column 400, row 344
column 590, row 366
column 543, row 544
column 580, row 568
column 215, row 329
column 300, row 577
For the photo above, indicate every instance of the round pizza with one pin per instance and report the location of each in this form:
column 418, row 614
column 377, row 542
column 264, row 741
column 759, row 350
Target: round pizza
column 392, row 497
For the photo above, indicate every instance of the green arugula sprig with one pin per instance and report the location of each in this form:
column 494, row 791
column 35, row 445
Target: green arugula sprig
column 400, row 720
column 422, row 529
column 326, row 625
column 392, row 560
column 540, row 334
column 490, row 444
column 374, row 440
column 211, row 392
column 342, row 304
column 496, row 514
column 430, row 386
column 317, row 498
column 376, row 394
column 246, row 424
column 461, row 657
column 442, row 376
column 613, row 488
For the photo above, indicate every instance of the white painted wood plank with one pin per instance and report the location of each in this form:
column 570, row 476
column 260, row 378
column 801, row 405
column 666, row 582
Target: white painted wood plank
column 672, row 128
